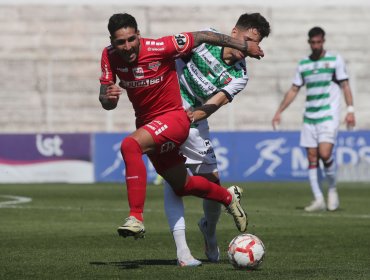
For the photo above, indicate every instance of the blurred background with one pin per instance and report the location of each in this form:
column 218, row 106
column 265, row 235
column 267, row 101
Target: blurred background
column 50, row 67
column 50, row 59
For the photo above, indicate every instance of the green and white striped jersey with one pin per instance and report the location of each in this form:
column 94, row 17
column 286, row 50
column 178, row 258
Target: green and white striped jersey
column 321, row 78
column 206, row 74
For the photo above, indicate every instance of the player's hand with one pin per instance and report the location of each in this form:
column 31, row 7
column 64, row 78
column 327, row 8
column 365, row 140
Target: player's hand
column 190, row 114
column 254, row 50
column 113, row 92
column 350, row 120
column 276, row 121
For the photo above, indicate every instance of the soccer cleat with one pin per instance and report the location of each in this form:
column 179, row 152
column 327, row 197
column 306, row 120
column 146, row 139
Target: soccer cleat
column 316, row 205
column 333, row 200
column 236, row 210
column 189, row 263
column 132, row 227
column 212, row 252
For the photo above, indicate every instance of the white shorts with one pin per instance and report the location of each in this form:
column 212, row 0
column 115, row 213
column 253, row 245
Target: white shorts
column 198, row 149
column 313, row 134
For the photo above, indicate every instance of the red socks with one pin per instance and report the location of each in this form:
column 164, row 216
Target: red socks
column 135, row 176
column 201, row 187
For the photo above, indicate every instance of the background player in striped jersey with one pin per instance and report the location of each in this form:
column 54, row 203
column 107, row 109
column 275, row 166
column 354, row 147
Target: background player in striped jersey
column 147, row 71
column 209, row 78
column 324, row 74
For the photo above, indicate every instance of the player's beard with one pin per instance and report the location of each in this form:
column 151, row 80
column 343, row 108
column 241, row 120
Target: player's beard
column 130, row 56
column 317, row 53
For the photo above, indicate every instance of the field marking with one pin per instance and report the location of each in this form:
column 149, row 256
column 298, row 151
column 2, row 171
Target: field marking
column 292, row 213
column 13, row 201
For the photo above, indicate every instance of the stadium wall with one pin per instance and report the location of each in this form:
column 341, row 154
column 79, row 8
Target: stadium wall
column 86, row 158
column 50, row 56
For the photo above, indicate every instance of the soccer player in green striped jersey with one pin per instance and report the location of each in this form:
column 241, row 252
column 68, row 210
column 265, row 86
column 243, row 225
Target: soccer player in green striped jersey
column 324, row 74
column 209, row 78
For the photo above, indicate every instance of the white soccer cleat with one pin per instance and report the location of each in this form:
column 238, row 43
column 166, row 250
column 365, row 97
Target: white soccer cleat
column 211, row 249
column 236, row 210
column 132, row 227
column 189, row 263
column 316, row 206
column 333, row 200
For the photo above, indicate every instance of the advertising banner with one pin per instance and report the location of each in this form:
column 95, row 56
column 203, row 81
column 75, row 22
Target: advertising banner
column 29, row 158
column 250, row 156
column 109, row 165
column 277, row 156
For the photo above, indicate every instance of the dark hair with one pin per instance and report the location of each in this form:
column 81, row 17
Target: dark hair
column 118, row 21
column 255, row 20
column 315, row 31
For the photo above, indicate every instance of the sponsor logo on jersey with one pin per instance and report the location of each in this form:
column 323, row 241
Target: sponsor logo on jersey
column 138, row 72
column 156, row 49
column 141, row 83
column 154, row 66
column 206, row 59
column 181, row 41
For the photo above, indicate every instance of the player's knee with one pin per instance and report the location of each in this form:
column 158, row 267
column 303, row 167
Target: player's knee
column 129, row 145
column 325, row 157
column 328, row 160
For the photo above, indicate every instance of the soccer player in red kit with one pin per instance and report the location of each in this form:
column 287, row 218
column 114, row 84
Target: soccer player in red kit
column 146, row 70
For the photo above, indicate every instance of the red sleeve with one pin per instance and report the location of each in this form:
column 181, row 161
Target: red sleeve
column 180, row 44
column 106, row 71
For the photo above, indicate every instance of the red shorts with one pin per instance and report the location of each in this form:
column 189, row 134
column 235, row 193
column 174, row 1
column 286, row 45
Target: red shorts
column 169, row 132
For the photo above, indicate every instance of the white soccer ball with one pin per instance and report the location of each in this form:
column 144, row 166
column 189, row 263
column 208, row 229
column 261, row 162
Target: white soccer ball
column 246, row 251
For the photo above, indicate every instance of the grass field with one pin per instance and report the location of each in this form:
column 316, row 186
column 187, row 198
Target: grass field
column 69, row 232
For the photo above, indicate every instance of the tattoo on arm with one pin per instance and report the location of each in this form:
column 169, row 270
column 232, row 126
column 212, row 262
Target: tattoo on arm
column 103, row 89
column 106, row 104
column 218, row 39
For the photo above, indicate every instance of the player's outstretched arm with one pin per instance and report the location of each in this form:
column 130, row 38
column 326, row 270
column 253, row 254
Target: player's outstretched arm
column 109, row 96
column 249, row 48
column 288, row 98
column 208, row 108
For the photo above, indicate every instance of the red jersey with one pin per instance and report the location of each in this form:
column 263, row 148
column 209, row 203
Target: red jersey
column 151, row 82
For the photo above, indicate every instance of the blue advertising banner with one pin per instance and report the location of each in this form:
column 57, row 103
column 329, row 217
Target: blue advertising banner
column 109, row 165
column 250, row 156
column 277, row 156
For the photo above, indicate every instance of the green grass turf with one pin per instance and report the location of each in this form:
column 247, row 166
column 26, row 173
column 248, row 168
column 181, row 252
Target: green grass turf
column 69, row 232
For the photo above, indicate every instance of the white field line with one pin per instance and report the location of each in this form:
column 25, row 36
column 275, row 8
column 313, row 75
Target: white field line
column 13, row 201
column 12, row 204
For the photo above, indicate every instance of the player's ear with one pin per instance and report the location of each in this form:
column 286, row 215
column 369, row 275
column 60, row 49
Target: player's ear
column 138, row 34
column 234, row 32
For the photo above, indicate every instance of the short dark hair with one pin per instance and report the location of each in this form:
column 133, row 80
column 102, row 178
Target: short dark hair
column 118, row 21
column 254, row 20
column 315, row 31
